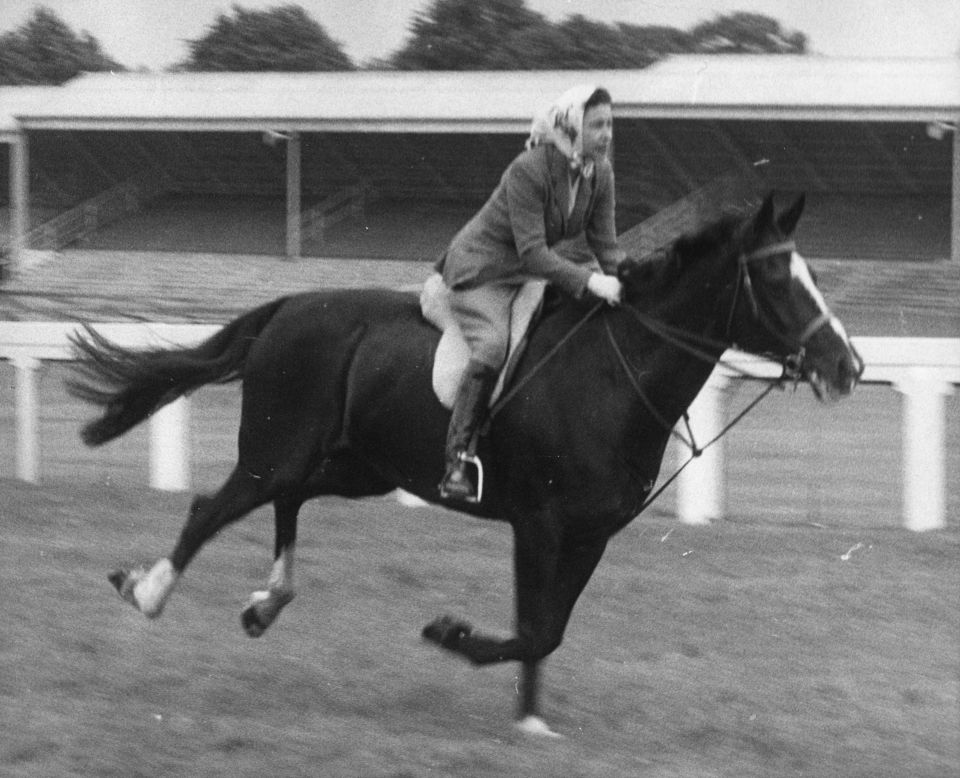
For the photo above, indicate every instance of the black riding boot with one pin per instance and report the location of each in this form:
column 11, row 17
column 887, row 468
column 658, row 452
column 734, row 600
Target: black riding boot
column 469, row 408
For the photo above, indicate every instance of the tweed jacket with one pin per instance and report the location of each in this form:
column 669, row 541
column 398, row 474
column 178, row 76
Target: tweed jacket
column 511, row 238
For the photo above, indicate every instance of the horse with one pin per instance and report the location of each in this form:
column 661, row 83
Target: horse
column 337, row 400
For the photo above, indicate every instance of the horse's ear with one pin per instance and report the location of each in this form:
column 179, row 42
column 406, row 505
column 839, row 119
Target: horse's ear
column 787, row 221
column 764, row 217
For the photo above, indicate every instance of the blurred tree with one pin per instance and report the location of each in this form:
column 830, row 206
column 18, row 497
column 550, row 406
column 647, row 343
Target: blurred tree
column 506, row 35
column 467, row 35
column 746, row 33
column 649, row 43
column 284, row 38
column 44, row 50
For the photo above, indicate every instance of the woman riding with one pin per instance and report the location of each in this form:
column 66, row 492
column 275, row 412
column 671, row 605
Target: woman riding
column 559, row 188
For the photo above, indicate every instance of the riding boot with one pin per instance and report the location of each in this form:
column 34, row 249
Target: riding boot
column 469, row 409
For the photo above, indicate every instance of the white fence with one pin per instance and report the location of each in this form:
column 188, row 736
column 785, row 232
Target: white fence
column 923, row 370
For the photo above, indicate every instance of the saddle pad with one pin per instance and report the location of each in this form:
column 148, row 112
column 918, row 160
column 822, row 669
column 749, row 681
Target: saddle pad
column 453, row 353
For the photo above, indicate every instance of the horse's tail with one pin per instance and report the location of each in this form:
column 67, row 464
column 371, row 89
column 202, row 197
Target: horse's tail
column 131, row 384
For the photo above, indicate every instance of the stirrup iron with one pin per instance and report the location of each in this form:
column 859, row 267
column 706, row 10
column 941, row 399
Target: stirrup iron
column 470, row 459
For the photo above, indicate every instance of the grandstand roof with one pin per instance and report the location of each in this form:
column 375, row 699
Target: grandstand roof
column 17, row 100
column 712, row 87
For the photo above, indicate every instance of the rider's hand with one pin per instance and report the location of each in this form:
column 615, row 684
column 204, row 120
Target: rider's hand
column 605, row 287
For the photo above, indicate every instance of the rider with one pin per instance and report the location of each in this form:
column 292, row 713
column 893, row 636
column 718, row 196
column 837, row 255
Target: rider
column 560, row 187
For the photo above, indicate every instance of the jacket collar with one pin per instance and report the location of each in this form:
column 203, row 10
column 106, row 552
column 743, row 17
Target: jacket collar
column 560, row 176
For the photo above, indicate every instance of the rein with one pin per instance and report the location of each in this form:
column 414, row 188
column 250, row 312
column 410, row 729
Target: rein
column 691, row 344
column 694, row 345
column 690, row 442
column 514, row 390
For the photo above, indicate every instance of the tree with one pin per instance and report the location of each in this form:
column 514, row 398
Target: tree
column 506, row 35
column 44, row 50
column 746, row 33
column 654, row 42
column 284, row 38
column 466, row 34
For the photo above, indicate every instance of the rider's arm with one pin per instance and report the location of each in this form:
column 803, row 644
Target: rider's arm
column 529, row 203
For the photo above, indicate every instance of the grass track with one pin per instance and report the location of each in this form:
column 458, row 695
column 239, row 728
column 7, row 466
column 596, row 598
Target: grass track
column 741, row 649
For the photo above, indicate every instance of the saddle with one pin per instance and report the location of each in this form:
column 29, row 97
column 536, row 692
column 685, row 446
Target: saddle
column 453, row 353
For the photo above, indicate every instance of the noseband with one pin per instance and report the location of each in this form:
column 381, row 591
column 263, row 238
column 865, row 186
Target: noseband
column 794, row 362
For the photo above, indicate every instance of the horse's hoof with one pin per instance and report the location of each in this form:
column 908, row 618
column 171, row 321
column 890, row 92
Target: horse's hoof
column 117, row 577
column 252, row 625
column 262, row 609
column 123, row 581
column 535, row 726
column 447, row 632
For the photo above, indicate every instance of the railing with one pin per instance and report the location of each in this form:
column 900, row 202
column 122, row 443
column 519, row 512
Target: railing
column 923, row 370
column 108, row 206
column 324, row 215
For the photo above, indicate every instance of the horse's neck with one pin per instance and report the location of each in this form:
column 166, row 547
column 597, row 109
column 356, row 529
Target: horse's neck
column 671, row 374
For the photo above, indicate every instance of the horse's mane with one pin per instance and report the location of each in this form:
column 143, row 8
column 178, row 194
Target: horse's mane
column 661, row 269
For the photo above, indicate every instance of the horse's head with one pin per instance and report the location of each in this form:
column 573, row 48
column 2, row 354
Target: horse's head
column 776, row 308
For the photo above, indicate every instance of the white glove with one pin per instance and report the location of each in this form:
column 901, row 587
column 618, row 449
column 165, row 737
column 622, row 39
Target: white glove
column 605, row 287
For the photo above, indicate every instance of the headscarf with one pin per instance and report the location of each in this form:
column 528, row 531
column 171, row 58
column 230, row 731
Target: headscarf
column 562, row 126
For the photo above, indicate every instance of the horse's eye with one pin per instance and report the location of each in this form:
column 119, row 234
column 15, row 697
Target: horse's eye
column 778, row 270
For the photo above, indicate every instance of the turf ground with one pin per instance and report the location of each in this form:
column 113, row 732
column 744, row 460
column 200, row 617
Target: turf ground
column 809, row 637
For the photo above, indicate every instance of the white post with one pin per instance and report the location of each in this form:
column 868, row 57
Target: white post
column 955, row 199
column 19, row 198
column 700, row 494
column 170, row 447
column 28, row 447
column 293, row 196
column 924, row 501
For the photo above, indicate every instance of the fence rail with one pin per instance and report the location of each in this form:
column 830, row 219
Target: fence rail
column 334, row 209
column 83, row 219
column 923, row 370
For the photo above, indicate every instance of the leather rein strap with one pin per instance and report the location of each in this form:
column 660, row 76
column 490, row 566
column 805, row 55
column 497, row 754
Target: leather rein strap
column 694, row 345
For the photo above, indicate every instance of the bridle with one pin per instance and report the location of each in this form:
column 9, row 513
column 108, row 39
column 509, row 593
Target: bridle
column 698, row 346
column 793, row 363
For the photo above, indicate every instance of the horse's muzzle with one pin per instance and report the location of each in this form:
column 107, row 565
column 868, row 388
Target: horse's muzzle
column 834, row 375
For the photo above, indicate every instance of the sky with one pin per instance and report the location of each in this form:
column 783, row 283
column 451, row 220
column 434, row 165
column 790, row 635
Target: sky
column 152, row 33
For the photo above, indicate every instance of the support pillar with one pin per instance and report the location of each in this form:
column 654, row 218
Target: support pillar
column 293, row 196
column 924, row 449
column 27, row 410
column 19, row 199
column 955, row 198
column 170, row 447
column 700, row 488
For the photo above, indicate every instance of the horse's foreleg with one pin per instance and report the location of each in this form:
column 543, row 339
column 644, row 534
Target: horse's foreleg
column 148, row 591
column 534, row 565
column 264, row 606
column 542, row 617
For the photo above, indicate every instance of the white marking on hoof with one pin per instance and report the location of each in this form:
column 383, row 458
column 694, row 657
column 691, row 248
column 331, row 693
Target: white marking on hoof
column 536, row 727
column 151, row 591
column 265, row 605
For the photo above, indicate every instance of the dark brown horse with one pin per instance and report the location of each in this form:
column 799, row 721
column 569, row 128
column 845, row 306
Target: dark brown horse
column 337, row 400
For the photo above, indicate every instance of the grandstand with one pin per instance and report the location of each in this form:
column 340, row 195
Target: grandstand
column 169, row 196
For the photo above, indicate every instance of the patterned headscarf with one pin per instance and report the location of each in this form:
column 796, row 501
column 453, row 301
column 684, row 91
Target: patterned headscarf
column 562, row 126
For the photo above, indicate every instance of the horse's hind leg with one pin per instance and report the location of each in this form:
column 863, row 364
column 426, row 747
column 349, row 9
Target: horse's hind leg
column 148, row 591
column 264, row 606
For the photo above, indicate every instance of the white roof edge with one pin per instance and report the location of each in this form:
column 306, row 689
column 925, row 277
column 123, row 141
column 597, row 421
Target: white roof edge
column 786, row 87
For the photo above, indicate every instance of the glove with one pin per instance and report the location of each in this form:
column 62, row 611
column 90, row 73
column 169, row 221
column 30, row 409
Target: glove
column 605, row 287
